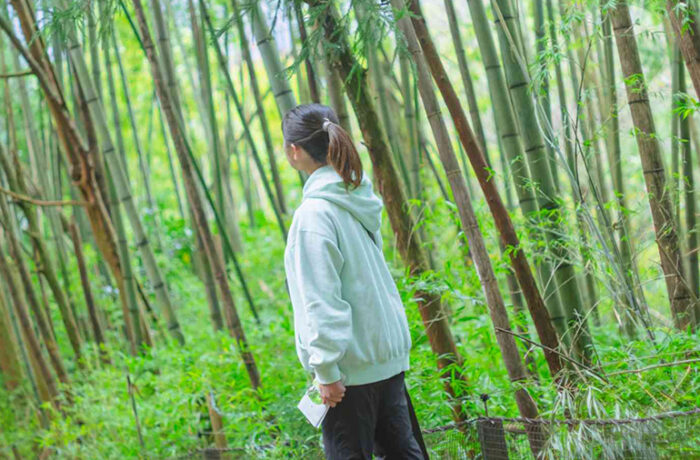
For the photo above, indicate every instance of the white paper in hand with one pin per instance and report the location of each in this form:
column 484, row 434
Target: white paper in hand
column 313, row 411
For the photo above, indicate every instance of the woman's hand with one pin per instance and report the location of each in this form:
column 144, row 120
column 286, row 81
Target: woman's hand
column 332, row 393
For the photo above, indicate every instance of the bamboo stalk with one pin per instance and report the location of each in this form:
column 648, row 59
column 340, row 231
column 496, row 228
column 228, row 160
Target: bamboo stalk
column 408, row 242
column 518, row 260
column 123, row 190
column 680, row 296
column 129, row 300
column 9, row 353
column 246, row 128
column 179, row 141
column 477, row 246
column 97, row 331
column 262, row 116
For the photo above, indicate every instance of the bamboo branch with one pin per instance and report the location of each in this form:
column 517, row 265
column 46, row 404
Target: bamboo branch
column 655, row 366
column 28, row 199
column 563, row 356
column 22, row 73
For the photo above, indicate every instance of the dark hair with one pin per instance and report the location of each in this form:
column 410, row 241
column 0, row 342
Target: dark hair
column 315, row 128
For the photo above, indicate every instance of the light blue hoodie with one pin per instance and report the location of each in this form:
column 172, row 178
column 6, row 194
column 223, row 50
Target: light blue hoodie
column 349, row 320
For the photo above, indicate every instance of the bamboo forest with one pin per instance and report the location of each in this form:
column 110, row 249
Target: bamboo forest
column 536, row 161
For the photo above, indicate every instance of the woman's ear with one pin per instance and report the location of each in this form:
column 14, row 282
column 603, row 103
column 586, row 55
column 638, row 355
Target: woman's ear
column 296, row 151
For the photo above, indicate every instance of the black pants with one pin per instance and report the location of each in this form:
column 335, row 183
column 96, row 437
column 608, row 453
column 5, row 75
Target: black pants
column 373, row 413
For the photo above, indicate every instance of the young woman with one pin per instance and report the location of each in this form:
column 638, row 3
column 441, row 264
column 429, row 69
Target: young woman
column 350, row 324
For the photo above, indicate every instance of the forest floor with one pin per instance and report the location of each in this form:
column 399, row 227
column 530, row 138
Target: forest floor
column 170, row 382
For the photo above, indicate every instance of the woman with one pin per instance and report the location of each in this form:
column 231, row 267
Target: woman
column 350, row 324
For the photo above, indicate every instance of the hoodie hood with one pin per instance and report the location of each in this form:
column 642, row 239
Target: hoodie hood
column 361, row 202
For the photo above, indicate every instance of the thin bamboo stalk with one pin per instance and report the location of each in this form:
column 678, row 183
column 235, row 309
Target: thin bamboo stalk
column 74, row 148
column 44, row 378
column 408, row 242
column 611, row 116
column 42, row 321
column 534, row 145
column 15, row 174
column 129, row 300
column 122, row 187
column 681, row 298
column 246, row 128
column 179, row 141
column 477, row 246
column 143, row 167
column 518, row 260
column 9, row 353
column 97, row 331
column 262, row 116
column 267, row 46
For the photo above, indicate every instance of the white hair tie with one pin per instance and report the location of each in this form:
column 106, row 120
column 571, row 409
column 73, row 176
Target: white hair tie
column 326, row 124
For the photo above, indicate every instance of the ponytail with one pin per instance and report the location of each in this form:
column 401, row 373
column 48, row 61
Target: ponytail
column 315, row 128
column 342, row 154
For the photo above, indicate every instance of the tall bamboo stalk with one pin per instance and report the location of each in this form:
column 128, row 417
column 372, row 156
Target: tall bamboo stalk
column 680, row 296
column 143, row 167
column 267, row 46
column 41, row 319
column 518, row 260
column 683, row 15
column 9, row 353
column 310, row 73
column 14, row 172
column 262, row 116
column 246, row 128
column 97, row 331
column 335, row 94
column 572, row 147
column 76, row 151
column 535, row 152
column 499, row 316
column 511, row 146
column 627, row 264
column 129, row 299
column 408, row 242
column 465, row 74
column 411, row 141
column 42, row 373
column 688, row 188
column 179, row 141
column 122, row 187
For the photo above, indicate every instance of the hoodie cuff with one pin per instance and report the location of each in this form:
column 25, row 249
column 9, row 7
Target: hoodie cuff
column 327, row 374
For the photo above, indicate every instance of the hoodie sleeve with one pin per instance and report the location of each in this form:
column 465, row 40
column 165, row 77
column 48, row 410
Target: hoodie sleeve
column 317, row 262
